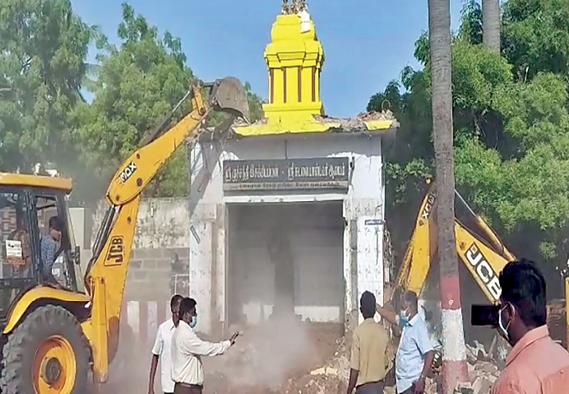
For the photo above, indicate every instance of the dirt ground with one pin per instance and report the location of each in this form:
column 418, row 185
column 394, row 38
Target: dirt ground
column 268, row 357
column 281, row 356
column 274, row 357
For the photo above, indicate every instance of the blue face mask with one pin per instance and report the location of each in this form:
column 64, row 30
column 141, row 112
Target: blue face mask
column 194, row 322
column 403, row 319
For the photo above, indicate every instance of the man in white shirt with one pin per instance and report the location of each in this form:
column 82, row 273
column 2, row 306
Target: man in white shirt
column 162, row 349
column 188, row 348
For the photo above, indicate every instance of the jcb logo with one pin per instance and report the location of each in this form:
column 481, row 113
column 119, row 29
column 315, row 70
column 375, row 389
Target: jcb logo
column 484, row 271
column 428, row 209
column 115, row 255
column 127, row 172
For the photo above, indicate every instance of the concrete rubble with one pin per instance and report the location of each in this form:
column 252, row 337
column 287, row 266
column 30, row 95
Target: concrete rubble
column 353, row 124
column 331, row 378
column 357, row 123
column 482, row 372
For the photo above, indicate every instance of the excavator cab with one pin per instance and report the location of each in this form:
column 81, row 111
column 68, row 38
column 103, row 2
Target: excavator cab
column 27, row 203
column 60, row 329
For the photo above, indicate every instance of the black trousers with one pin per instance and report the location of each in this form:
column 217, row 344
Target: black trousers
column 181, row 388
column 370, row 388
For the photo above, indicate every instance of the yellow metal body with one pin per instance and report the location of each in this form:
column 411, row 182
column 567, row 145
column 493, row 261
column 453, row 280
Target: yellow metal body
column 482, row 252
column 484, row 258
column 107, row 272
column 41, row 294
column 63, row 184
column 58, row 348
column 106, row 279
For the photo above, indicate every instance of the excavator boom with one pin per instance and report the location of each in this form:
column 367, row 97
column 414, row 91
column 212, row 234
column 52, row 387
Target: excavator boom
column 482, row 252
column 107, row 270
column 55, row 334
column 478, row 247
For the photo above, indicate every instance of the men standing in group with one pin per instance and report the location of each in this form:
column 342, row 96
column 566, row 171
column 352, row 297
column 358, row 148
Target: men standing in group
column 188, row 348
column 415, row 353
column 369, row 347
column 536, row 363
column 162, row 349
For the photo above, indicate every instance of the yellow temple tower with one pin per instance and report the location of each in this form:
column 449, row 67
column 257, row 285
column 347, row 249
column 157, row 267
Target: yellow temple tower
column 295, row 58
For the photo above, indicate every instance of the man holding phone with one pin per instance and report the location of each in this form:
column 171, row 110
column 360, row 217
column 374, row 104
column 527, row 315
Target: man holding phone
column 536, row 363
column 188, row 349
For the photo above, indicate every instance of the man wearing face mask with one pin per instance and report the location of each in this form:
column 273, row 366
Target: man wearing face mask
column 188, row 348
column 536, row 363
column 415, row 353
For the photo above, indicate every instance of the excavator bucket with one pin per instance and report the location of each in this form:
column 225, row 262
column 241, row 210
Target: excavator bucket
column 229, row 95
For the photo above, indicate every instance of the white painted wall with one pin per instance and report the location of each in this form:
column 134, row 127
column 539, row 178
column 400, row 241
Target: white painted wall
column 370, row 257
column 365, row 197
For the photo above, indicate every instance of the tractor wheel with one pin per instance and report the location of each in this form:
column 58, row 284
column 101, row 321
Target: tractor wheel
column 46, row 354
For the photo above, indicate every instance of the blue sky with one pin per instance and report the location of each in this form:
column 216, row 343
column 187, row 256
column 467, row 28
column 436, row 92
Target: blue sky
column 367, row 42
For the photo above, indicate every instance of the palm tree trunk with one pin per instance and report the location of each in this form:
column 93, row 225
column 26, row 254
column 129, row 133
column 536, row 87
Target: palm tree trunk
column 491, row 24
column 454, row 350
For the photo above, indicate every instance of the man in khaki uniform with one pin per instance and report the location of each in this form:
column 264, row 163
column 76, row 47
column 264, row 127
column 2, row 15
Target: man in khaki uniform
column 369, row 351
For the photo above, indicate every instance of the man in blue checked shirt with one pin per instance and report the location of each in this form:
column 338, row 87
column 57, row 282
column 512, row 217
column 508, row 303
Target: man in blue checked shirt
column 415, row 353
column 49, row 246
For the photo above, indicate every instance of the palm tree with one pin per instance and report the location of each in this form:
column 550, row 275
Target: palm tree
column 454, row 350
column 491, row 24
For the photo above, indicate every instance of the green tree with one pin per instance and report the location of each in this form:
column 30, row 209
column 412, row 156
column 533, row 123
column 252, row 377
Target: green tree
column 137, row 84
column 43, row 46
column 471, row 23
column 536, row 36
column 255, row 104
column 510, row 122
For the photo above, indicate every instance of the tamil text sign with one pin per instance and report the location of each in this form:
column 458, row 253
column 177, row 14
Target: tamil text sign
column 287, row 174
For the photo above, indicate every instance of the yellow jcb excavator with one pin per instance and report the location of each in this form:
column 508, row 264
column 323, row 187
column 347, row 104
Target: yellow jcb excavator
column 57, row 332
column 478, row 247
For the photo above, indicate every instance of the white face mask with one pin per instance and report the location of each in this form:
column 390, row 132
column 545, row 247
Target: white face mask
column 504, row 330
column 194, row 322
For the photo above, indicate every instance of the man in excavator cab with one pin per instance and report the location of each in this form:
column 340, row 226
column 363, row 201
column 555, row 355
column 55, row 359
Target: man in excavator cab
column 49, row 248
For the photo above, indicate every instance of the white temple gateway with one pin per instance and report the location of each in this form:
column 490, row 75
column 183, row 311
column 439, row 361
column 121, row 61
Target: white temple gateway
column 287, row 213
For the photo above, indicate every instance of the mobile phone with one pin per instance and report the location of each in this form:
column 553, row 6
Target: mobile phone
column 484, row 315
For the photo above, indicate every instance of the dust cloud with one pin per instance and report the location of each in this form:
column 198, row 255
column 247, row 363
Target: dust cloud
column 264, row 357
column 128, row 372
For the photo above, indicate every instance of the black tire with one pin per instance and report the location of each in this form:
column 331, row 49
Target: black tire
column 19, row 352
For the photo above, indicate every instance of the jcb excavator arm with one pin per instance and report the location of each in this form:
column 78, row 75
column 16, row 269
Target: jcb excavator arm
column 478, row 247
column 482, row 253
column 107, row 270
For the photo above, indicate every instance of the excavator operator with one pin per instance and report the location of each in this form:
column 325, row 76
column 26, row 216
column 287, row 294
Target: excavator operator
column 49, row 248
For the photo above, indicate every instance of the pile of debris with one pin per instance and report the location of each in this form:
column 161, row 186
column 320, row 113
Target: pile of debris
column 358, row 123
column 331, row 378
column 483, row 369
